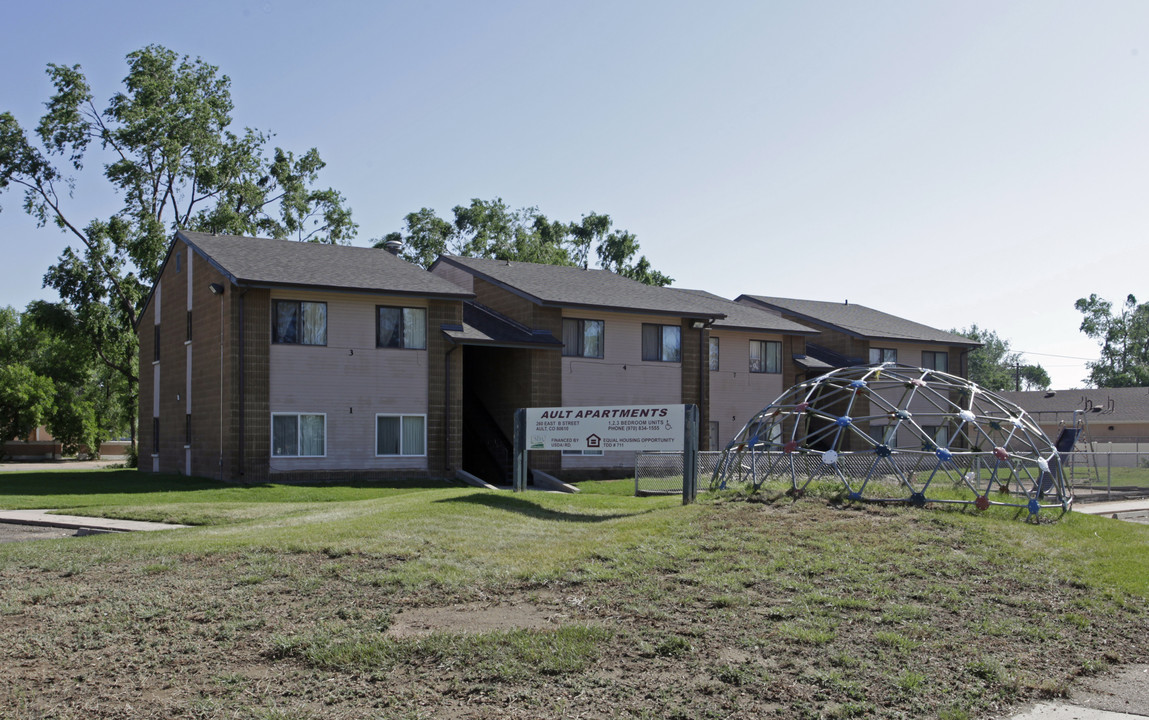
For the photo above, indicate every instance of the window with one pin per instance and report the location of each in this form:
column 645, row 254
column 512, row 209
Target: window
column 939, row 434
column 400, row 435
column 581, row 452
column 397, row 327
column 179, row 262
column 189, row 338
column 298, row 435
column 662, row 343
column 582, row 338
column 765, row 356
column 714, row 354
column 883, row 355
column 299, row 323
column 882, row 433
column 156, row 344
column 935, row 360
column 714, row 439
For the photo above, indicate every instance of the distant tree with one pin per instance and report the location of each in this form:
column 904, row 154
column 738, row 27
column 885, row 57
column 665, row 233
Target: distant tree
column 995, row 367
column 490, row 229
column 1124, row 338
column 48, row 378
column 167, row 149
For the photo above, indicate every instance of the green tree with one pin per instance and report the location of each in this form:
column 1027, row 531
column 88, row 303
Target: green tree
column 491, row 229
column 167, row 149
column 995, row 367
column 1124, row 338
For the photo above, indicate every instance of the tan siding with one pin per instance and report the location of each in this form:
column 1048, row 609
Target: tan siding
column 350, row 380
column 621, row 377
column 736, row 394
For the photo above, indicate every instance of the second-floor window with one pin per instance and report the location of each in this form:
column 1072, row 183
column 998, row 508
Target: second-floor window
column 714, row 354
column 662, row 343
column 299, row 323
column 400, row 327
column 883, row 355
column 935, row 360
column 765, row 356
column 582, row 338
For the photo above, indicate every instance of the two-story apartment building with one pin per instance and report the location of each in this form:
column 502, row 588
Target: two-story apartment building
column 264, row 358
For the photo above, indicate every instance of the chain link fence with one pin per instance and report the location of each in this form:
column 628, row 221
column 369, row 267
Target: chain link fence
column 1094, row 477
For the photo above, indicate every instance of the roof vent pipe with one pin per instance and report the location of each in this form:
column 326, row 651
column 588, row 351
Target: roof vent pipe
column 393, row 246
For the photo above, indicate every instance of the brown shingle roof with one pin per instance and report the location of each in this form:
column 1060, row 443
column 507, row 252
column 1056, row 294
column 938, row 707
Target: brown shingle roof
column 858, row 320
column 572, row 286
column 280, row 263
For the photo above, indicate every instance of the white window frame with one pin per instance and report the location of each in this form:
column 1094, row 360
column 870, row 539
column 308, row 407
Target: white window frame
column 299, row 437
column 400, row 416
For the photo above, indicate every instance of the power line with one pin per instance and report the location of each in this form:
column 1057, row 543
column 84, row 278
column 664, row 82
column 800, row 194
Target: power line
column 1068, row 357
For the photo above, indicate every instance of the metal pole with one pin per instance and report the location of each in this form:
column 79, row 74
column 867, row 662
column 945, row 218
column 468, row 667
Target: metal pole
column 690, row 455
column 520, row 457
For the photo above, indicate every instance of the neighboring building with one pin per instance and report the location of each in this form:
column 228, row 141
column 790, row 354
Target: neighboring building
column 852, row 334
column 753, row 357
column 289, row 360
column 1118, row 417
column 40, row 445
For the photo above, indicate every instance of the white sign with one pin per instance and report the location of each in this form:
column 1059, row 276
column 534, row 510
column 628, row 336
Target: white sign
column 633, row 427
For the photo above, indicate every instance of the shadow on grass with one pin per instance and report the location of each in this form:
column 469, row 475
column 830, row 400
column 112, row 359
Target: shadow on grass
column 114, row 482
column 530, row 509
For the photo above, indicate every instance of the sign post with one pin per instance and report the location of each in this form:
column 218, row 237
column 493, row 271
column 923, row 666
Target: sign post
column 690, row 456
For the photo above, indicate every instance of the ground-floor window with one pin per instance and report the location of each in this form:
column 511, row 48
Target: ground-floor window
column 577, row 453
column 400, row 435
column 298, row 435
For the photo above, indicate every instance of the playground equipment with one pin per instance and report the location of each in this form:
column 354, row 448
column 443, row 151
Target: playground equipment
column 894, row 433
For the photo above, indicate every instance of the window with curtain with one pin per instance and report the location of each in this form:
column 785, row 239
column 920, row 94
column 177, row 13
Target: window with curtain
column 400, row 435
column 400, row 327
column 714, row 354
column 765, row 356
column 583, row 338
column 883, row 355
column 661, row 343
column 299, row 323
column 298, row 435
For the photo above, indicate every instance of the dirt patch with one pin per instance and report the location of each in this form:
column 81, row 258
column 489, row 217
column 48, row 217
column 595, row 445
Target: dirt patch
column 471, row 618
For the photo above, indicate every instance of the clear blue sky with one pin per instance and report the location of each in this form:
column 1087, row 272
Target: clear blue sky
column 949, row 162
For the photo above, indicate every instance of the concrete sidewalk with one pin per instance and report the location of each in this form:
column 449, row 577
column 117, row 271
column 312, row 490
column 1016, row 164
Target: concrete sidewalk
column 1115, row 508
column 1121, row 695
column 45, row 518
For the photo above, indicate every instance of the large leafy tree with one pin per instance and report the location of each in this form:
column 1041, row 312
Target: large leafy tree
column 166, row 146
column 995, row 366
column 1123, row 334
column 491, row 229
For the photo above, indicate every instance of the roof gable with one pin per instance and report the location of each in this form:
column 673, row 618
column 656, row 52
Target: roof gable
column 745, row 317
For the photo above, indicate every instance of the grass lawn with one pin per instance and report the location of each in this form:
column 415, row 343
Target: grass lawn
column 423, row 600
